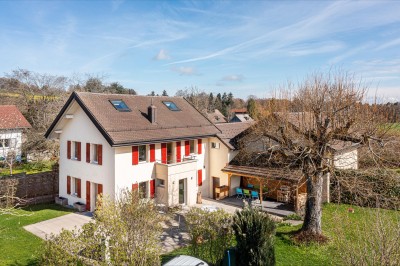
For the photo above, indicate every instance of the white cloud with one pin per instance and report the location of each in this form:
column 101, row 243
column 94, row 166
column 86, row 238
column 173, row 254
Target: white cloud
column 238, row 78
column 185, row 71
column 162, row 55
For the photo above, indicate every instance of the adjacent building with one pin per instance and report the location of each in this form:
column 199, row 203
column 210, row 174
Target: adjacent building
column 12, row 126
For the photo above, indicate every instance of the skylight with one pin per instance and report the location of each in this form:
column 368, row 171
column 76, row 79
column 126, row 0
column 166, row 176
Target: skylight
column 120, row 105
column 171, row 106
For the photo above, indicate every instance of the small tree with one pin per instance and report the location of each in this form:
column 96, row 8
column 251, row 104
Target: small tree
column 210, row 234
column 125, row 231
column 254, row 233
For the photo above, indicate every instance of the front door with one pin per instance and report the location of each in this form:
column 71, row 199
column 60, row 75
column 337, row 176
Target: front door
column 182, row 190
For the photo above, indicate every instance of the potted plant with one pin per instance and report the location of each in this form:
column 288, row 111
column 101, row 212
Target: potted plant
column 61, row 201
column 80, row 206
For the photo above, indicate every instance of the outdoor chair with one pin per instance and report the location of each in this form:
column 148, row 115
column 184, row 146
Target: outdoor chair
column 254, row 195
column 247, row 193
column 250, row 186
column 239, row 193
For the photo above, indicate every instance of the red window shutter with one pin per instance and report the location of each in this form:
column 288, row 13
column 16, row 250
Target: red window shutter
column 152, row 188
column 88, row 152
column 88, row 195
column 135, row 155
column 68, row 149
column 100, row 154
column 79, row 150
column 78, row 189
column 99, row 189
column 68, row 185
column 199, row 146
column 200, row 177
column 178, row 152
column 164, row 153
column 135, row 187
column 187, row 148
column 152, row 153
column 99, row 192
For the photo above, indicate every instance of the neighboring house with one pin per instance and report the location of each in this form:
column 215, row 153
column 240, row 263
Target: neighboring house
column 217, row 117
column 240, row 115
column 158, row 145
column 223, row 149
column 12, row 126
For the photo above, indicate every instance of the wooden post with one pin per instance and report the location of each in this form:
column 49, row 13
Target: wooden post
column 229, row 184
column 261, row 195
column 296, row 203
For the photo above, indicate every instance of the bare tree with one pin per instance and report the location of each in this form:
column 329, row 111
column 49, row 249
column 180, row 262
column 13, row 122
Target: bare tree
column 328, row 111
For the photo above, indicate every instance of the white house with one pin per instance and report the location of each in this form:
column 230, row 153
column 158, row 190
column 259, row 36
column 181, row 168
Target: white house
column 158, row 145
column 12, row 125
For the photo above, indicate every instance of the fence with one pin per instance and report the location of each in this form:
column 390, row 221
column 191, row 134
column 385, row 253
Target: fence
column 31, row 188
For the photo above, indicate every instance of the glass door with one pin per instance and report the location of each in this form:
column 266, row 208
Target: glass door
column 182, row 191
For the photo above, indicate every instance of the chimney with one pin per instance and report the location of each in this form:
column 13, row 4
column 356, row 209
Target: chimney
column 151, row 112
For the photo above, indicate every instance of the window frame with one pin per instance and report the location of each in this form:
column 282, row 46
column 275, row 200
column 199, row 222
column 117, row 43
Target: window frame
column 215, row 145
column 3, row 143
column 74, row 152
column 140, row 147
column 171, row 106
column 190, row 147
column 160, row 182
column 94, row 151
column 124, row 108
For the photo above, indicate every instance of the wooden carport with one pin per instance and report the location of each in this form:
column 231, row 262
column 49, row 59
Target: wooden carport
column 271, row 178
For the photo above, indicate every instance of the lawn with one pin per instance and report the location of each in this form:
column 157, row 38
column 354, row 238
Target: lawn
column 288, row 253
column 17, row 246
column 29, row 168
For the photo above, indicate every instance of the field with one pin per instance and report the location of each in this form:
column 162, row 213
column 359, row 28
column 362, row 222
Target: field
column 29, row 168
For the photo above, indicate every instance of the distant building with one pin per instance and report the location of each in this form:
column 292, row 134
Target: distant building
column 240, row 115
column 12, row 125
column 217, row 117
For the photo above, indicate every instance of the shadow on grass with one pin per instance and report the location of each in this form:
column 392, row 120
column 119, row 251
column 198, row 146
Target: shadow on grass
column 30, row 262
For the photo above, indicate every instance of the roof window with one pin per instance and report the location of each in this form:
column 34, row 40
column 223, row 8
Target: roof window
column 120, row 105
column 171, row 106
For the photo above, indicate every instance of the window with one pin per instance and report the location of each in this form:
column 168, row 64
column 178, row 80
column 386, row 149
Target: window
column 215, row 145
column 76, row 187
column 171, row 106
column 95, row 156
column 142, row 153
column 120, row 105
column 191, row 144
column 160, row 182
column 5, row 143
column 76, row 152
column 143, row 190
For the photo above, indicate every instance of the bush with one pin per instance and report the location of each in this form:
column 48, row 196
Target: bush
column 254, row 233
column 210, row 234
column 366, row 188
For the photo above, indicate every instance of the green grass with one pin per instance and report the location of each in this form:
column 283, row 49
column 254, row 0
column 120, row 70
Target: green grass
column 288, row 253
column 18, row 246
column 29, row 168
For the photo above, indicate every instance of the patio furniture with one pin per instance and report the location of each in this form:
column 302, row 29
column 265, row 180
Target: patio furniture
column 239, row 193
column 254, row 195
column 250, row 186
column 221, row 192
column 247, row 194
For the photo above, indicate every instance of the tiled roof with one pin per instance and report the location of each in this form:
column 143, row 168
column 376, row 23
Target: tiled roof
column 124, row 128
column 241, row 118
column 11, row 118
column 229, row 131
column 216, row 117
column 239, row 111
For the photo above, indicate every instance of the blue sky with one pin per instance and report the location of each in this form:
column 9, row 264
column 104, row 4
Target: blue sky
column 246, row 47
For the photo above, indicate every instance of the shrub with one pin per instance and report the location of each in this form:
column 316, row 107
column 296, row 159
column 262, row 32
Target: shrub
column 254, row 233
column 210, row 234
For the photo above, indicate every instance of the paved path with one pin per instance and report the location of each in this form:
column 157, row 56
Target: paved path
column 55, row 225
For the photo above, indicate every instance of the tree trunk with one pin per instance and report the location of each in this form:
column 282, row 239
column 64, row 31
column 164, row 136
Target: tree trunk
column 313, row 215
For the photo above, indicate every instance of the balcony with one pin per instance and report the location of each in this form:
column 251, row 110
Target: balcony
column 173, row 167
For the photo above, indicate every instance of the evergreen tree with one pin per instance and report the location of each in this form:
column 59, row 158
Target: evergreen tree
column 164, row 93
column 252, row 108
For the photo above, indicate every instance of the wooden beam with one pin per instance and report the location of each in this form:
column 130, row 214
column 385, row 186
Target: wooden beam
column 229, row 184
column 261, row 195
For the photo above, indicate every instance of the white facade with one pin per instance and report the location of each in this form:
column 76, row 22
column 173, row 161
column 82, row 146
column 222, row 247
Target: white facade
column 346, row 160
column 117, row 170
column 10, row 141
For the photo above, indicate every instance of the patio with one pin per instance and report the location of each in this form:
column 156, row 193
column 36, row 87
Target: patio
column 280, row 209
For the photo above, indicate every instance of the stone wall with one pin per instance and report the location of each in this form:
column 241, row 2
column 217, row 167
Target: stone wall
column 31, row 188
